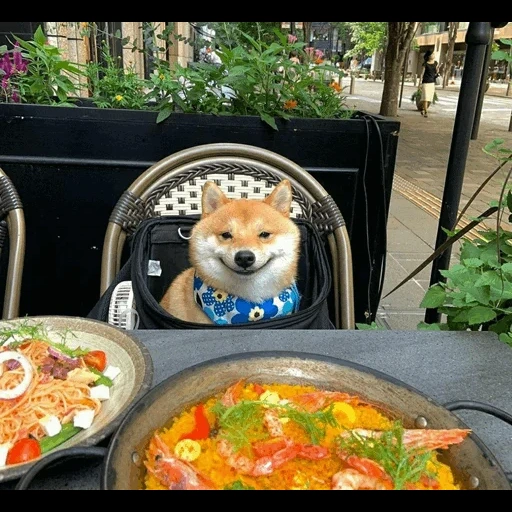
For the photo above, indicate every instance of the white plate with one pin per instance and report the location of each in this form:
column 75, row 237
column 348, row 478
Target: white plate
column 123, row 351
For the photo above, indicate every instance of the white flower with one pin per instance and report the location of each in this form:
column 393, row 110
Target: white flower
column 256, row 314
column 220, row 296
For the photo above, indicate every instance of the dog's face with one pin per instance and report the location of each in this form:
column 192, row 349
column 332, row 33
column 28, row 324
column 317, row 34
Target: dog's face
column 246, row 248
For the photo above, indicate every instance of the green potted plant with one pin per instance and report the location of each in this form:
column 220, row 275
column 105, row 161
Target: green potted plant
column 477, row 292
column 74, row 159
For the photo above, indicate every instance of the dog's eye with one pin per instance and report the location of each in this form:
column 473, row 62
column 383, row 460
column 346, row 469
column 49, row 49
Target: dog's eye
column 265, row 235
column 227, row 236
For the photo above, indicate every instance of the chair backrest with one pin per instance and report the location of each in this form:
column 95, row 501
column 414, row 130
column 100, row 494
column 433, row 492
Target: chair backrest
column 174, row 187
column 12, row 226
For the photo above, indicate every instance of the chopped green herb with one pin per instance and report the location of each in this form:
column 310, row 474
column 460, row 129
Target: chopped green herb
column 19, row 332
column 403, row 465
column 242, row 423
column 26, row 331
column 103, row 381
column 239, row 486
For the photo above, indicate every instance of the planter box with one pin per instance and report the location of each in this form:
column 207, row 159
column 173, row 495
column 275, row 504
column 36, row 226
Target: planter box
column 71, row 165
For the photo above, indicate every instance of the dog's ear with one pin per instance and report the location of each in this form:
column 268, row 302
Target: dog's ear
column 213, row 198
column 281, row 198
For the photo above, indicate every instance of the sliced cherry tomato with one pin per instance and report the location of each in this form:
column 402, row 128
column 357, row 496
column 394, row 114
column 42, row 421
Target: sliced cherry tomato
column 24, row 451
column 97, row 360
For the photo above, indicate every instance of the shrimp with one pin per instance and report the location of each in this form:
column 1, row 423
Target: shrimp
column 352, row 480
column 173, row 473
column 367, row 467
column 273, row 423
column 314, row 402
column 232, row 395
column 428, row 440
column 287, row 450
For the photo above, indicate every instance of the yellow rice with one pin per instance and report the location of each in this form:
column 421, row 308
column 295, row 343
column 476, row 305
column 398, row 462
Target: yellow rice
column 298, row 474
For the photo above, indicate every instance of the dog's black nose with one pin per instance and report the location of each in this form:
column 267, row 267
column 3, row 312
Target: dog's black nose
column 245, row 259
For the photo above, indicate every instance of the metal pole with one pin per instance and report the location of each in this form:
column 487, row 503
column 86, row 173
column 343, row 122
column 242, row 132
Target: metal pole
column 483, row 86
column 477, row 40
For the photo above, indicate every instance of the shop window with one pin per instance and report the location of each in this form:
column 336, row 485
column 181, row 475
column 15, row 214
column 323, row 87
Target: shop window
column 107, row 35
column 22, row 29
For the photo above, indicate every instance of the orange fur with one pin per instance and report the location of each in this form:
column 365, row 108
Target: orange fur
column 214, row 256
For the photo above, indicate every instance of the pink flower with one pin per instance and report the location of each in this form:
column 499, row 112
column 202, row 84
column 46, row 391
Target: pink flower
column 310, row 51
column 20, row 64
column 319, row 54
column 292, row 39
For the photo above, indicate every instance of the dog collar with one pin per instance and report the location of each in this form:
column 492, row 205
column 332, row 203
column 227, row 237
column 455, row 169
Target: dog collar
column 225, row 309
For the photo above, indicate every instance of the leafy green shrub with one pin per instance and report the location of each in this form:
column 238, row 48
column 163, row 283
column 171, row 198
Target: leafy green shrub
column 112, row 86
column 47, row 78
column 477, row 294
column 254, row 79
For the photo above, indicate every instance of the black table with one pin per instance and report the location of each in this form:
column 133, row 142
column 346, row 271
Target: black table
column 447, row 366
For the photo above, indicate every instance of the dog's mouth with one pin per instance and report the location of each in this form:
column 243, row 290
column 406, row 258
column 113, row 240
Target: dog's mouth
column 246, row 273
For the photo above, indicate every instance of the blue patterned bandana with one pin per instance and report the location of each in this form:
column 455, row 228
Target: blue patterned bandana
column 224, row 309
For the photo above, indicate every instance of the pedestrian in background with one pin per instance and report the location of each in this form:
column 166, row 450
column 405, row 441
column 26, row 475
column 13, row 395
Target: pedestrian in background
column 428, row 81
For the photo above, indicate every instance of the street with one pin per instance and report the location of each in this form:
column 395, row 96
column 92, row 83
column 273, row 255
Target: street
column 496, row 110
column 419, row 182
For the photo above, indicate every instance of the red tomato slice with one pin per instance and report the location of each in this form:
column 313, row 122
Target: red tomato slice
column 24, row 451
column 97, row 360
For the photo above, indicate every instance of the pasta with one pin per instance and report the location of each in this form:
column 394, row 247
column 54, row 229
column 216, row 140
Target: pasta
column 49, row 392
column 46, row 396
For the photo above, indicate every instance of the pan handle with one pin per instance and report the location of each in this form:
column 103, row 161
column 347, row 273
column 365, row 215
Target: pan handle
column 487, row 409
column 476, row 406
column 72, row 453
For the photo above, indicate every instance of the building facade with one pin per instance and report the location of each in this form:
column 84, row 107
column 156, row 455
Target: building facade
column 434, row 36
column 128, row 41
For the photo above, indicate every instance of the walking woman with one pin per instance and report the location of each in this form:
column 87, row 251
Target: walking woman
column 428, row 81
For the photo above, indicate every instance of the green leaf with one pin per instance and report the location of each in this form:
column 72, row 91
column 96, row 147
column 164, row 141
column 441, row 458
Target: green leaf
column 507, row 268
column 462, row 317
column 429, row 327
column 164, row 115
column 506, row 338
column 40, row 37
column 481, row 315
column 270, row 121
column 473, row 263
column 509, row 201
column 481, row 294
column 469, row 251
column 503, row 326
column 434, row 298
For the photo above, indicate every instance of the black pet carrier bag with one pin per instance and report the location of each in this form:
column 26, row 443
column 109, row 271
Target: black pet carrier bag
column 158, row 253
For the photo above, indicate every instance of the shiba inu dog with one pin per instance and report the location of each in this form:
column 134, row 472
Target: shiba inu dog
column 245, row 256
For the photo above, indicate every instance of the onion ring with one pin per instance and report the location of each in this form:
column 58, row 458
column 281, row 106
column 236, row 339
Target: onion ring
column 18, row 391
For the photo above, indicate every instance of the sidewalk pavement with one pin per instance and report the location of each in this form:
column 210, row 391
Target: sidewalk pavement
column 420, row 175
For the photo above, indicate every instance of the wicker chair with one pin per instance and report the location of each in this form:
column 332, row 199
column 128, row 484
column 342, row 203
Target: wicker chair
column 174, row 187
column 12, row 228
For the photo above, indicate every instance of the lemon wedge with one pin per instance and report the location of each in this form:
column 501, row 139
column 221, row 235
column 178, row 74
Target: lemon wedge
column 345, row 412
column 270, row 397
column 188, row 450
